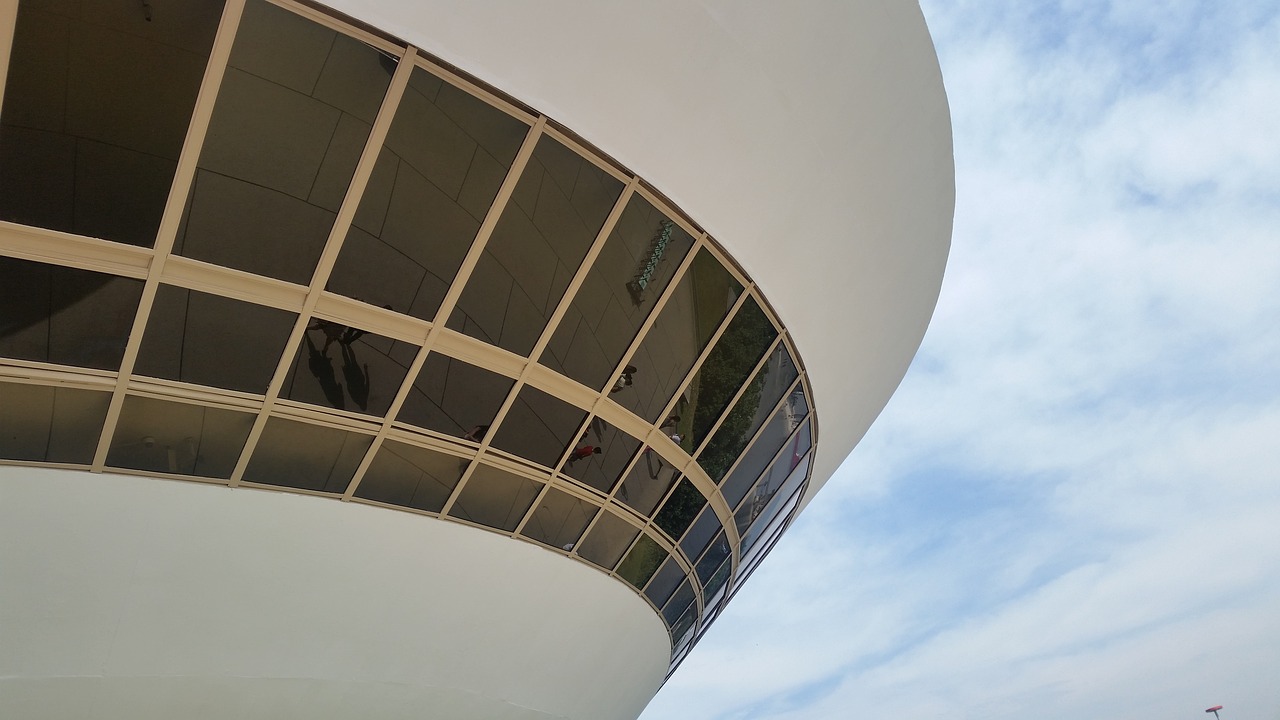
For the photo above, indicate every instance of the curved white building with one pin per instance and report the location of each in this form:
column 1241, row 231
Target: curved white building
column 435, row 359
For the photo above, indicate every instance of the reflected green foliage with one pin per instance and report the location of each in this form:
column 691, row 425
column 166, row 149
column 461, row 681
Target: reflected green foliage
column 682, row 507
column 642, row 562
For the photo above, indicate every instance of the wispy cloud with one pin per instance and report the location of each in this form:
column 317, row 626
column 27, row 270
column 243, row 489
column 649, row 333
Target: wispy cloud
column 1072, row 505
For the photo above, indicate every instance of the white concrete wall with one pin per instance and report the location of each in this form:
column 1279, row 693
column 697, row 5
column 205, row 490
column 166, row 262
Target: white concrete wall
column 811, row 138
column 132, row 598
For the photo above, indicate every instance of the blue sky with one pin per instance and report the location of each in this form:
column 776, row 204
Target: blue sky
column 1071, row 507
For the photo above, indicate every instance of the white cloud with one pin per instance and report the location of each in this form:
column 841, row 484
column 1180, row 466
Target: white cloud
column 1070, row 507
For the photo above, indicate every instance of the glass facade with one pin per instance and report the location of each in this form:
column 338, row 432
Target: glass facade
column 463, row 351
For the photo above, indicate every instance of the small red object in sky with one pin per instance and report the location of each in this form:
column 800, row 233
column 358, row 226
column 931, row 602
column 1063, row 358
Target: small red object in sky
column 1215, row 708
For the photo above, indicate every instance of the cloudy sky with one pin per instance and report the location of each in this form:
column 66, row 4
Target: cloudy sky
column 1071, row 508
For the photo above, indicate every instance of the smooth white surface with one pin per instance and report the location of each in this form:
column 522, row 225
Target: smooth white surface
column 133, row 598
column 811, row 138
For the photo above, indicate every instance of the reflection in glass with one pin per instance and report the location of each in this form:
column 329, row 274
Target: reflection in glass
column 761, row 509
column 633, row 269
column 75, row 156
column 65, row 316
column 559, row 519
column 647, row 483
column 680, row 509
column 780, row 473
column 725, row 370
column 606, row 542
column 717, row 582
column 538, row 427
column 454, row 398
column 748, row 414
column 664, row 582
column 716, row 554
column 495, row 498
column 643, row 560
column 700, row 534
column 753, row 551
column 179, row 438
column 48, row 424
column 210, row 340
column 600, row 455
column 700, row 302
column 445, row 157
column 775, row 434
column 682, row 629
column 679, row 602
column 411, row 476
column 347, row 368
column 291, row 120
column 301, row 455
column 558, row 207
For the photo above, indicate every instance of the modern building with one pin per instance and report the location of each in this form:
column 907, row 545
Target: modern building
column 435, row 358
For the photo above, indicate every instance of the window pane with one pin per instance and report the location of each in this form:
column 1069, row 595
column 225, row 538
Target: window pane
column 65, row 316
column 606, row 542
column 96, row 107
column 781, row 473
column 209, row 340
column 756, row 515
column 559, row 520
column 716, row 554
column 682, row 629
column 753, row 550
column 725, row 370
column 642, row 561
column 717, row 581
column 634, row 267
column 558, row 208
column 539, row 427
column 664, row 582
column 310, row 457
column 647, row 483
column 290, row 123
column 680, row 510
column 445, row 157
column 50, row 424
column 178, row 438
column 600, row 455
column 372, row 369
column 748, row 414
column 775, row 434
column 454, row 398
column 679, row 602
column 687, row 322
column 411, row 476
column 495, row 498
column 699, row 536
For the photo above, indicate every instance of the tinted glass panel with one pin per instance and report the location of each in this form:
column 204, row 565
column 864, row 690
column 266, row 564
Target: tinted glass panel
column 65, row 316
column 680, row 509
column 634, row 267
column 647, row 483
column 178, row 438
column 348, row 369
column 559, row 520
column 411, row 476
column 642, row 561
column 678, row 603
column 209, row 340
column 752, row 547
column 700, row 534
column 445, row 157
column 539, row 427
column 682, row 629
column 664, row 582
column 454, row 398
column 688, row 320
column 776, row 433
column 748, row 414
column 778, row 475
column 717, row 582
column 49, row 424
column 724, row 372
column 557, row 209
column 606, row 542
column 600, row 455
column 763, row 507
column 495, row 498
column 716, row 555
column 96, row 107
column 291, row 120
column 310, row 457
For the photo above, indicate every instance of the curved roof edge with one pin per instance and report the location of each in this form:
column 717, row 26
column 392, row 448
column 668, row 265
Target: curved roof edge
column 812, row 140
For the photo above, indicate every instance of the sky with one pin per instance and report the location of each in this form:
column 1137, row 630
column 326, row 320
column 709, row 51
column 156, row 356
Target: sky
column 1071, row 506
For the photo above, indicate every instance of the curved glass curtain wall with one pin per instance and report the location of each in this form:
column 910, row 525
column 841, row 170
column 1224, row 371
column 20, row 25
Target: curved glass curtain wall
column 332, row 267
